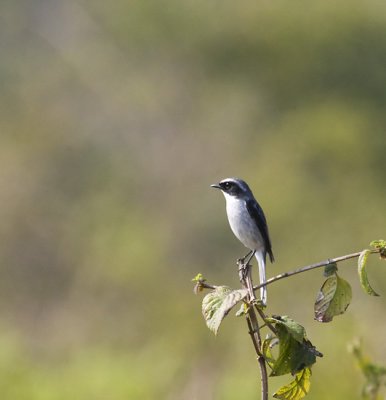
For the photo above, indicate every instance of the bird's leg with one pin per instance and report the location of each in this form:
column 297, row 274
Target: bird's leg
column 250, row 254
column 244, row 266
column 241, row 260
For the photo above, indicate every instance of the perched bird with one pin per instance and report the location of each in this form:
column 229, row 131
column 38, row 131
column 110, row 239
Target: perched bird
column 247, row 221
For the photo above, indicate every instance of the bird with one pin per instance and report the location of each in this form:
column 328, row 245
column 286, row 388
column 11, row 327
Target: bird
column 248, row 223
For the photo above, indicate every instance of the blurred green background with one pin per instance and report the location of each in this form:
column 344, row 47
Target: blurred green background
column 115, row 119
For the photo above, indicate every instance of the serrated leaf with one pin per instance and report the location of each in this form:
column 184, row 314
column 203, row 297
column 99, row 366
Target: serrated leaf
column 293, row 355
column 363, row 279
column 217, row 304
column 333, row 298
column 296, row 330
column 298, row 388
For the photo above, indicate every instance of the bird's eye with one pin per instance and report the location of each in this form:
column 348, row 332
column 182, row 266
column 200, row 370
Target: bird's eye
column 227, row 185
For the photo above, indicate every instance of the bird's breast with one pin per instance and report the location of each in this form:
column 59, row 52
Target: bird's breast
column 242, row 224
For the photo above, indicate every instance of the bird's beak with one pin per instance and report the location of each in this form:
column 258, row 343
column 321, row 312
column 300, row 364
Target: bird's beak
column 216, row 186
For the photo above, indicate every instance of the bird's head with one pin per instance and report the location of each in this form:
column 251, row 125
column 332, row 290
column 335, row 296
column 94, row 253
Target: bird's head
column 233, row 187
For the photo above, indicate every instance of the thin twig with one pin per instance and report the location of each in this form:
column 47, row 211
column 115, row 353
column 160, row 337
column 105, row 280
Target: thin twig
column 200, row 284
column 310, row 267
column 253, row 327
column 254, row 331
column 203, row 285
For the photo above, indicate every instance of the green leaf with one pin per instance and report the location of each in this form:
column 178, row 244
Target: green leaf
column 298, row 388
column 266, row 350
column 293, row 355
column 362, row 261
column 217, row 304
column 296, row 330
column 333, row 298
column 295, row 351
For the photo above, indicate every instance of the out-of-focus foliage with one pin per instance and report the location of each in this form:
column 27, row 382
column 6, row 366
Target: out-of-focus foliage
column 374, row 374
column 115, row 117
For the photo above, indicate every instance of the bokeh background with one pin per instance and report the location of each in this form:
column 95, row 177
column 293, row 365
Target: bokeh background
column 115, row 119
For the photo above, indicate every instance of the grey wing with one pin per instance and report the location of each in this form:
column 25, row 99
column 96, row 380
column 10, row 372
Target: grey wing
column 257, row 214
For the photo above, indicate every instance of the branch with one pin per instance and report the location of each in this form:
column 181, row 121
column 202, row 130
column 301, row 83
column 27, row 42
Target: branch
column 254, row 332
column 253, row 325
column 311, row 267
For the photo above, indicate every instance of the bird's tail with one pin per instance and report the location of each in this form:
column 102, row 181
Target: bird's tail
column 260, row 256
